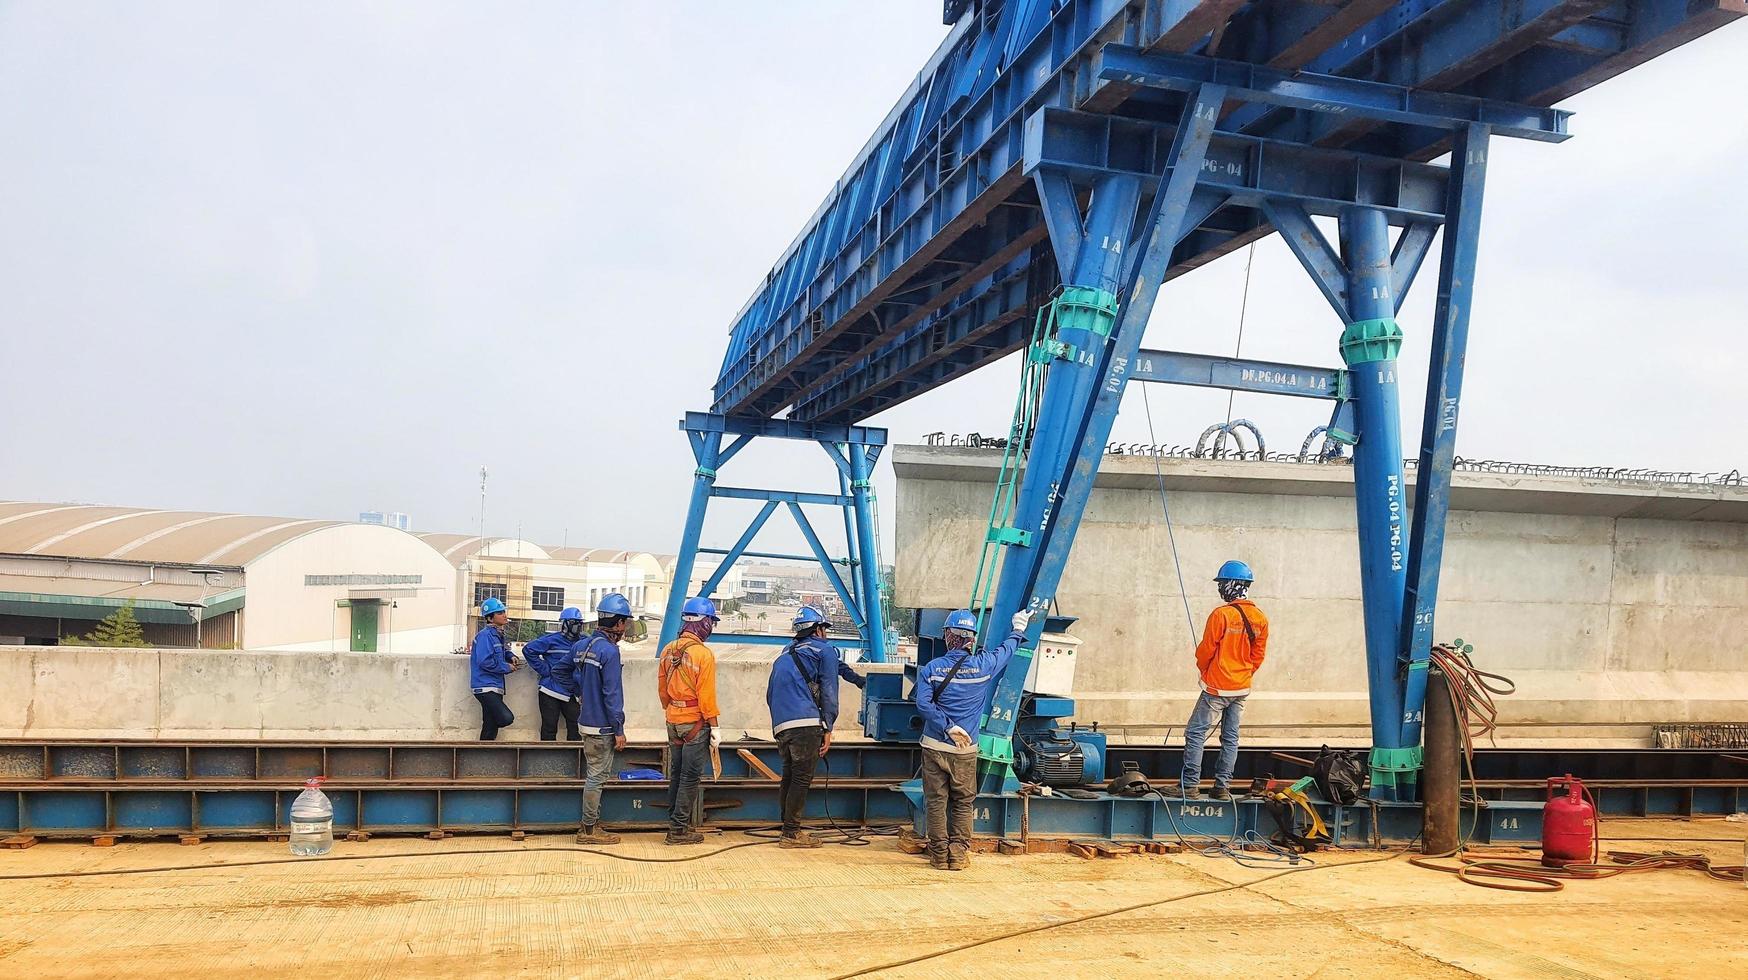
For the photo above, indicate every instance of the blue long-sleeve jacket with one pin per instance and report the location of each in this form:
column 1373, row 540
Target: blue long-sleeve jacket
column 788, row 693
column 850, row 675
column 490, row 660
column 551, row 658
column 962, row 699
column 600, row 685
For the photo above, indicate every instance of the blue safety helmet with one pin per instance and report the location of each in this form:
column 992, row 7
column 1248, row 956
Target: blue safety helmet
column 570, row 614
column 699, row 606
column 809, row 616
column 491, row 606
column 962, row 619
column 613, row 604
column 1234, row 571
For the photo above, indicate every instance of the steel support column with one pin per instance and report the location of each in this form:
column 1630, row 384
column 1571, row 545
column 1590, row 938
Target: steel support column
column 1369, row 345
column 868, row 568
column 705, row 448
column 1100, row 249
column 1079, row 418
column 1438, row 427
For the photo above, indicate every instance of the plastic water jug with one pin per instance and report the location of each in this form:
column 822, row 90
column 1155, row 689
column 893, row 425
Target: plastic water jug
column 312, row 821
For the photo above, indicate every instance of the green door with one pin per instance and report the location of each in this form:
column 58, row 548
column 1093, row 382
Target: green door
column 364, row 613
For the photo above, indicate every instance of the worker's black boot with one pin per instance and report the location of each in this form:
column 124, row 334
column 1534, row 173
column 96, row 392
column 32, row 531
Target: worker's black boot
column 1177, row 791
column 938, row 858
column 1220, row 793
column 958, row 859
column 683, row 837
column 593, row 834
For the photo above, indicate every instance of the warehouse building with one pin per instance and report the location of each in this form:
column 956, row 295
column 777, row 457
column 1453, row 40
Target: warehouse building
column 222, row 580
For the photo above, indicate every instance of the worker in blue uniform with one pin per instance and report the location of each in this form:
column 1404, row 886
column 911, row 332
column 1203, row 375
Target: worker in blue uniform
column 951, row 691
column 802, row 695
column 601, row 701
column 550, row 656
column 490, row 662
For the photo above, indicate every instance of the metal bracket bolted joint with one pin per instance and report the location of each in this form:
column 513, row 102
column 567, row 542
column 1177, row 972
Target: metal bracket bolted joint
column 1386, row 763
column 1010, row 535
column 1086, row 308
column 705, row 472
column 996, row 748
column 1366, row 341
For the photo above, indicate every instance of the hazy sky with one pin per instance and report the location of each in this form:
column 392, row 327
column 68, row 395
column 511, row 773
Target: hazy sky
column 318, row 258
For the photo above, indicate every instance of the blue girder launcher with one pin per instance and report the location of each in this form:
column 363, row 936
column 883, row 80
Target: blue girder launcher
column 1055, row 162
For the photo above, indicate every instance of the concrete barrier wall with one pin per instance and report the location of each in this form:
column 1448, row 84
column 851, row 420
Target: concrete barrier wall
column 1613, row 606
column 81, row 692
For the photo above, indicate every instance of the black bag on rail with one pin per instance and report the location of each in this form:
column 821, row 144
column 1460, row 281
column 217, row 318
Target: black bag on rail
column 1340, row 775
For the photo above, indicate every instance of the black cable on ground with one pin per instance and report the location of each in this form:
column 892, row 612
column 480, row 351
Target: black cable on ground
column 1047, row 926
column 383, row 857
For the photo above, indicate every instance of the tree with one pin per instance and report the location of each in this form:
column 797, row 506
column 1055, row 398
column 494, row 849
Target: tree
column 118, row 629
column 762, row 617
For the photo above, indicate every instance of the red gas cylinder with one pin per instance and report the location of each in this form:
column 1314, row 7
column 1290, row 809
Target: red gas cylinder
column 1568, row 824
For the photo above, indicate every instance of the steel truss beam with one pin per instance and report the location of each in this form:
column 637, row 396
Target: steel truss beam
column 1239, row 374
column 1080, row 146
column 1330, row 95
column 87, row 789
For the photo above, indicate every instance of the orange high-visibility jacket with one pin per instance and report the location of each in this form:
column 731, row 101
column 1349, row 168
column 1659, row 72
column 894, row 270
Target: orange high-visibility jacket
column 1226, row 657
column 688, row 687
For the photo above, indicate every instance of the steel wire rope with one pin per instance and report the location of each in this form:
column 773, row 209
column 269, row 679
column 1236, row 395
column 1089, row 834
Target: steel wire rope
column 1170, row 533
column 1243, row 308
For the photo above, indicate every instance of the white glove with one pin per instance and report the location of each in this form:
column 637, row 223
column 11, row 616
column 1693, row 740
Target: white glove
column 716, row 738
column 1022, row 619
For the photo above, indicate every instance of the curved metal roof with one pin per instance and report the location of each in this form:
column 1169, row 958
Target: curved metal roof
column 143, row 534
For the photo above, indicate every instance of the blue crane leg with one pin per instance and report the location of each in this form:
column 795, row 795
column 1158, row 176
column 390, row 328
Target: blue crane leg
column 1438, row 429
column 850, row 550
column 1083, row 427
column 1071, row 381
column 705, row 449
column 1370, row 345
column 868, row 569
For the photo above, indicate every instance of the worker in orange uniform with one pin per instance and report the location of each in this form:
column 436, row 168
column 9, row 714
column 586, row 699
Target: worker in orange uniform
column 686, row 682
column 1231, row 650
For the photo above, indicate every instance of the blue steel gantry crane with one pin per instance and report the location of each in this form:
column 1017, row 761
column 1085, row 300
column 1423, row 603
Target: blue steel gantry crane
column 1055, row 162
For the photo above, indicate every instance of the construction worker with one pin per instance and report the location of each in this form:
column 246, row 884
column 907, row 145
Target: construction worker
column 490, row 662
column 1231, row 650
column 550, row 656
column 951, row 691
column 686, row 683
column 601, row 697
column 802, row 694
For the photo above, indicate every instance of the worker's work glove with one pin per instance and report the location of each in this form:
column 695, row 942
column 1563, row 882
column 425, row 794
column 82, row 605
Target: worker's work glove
column 715, row 738
column 1022, row 619
column 959, row 737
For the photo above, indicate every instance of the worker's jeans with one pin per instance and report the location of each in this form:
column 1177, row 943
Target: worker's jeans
column 688, row 768
column 551, row 709
column 949, row 792
column 494, row 714
column 799, row 750
column 598, row 752
column 1208, row 708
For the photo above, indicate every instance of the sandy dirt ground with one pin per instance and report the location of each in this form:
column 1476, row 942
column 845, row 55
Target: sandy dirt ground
column 761, row 912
